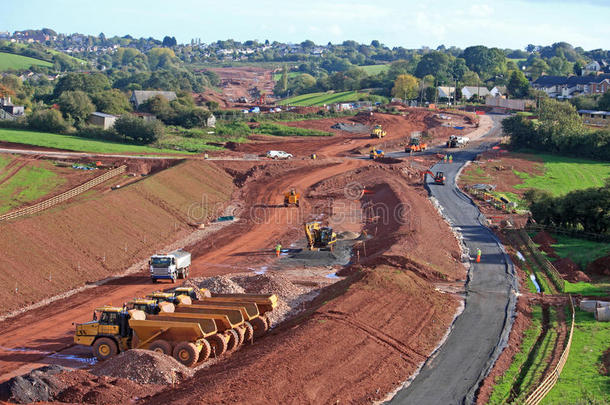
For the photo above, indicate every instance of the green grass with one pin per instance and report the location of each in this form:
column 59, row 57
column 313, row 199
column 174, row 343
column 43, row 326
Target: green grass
column 318, row 99
column 373, row 70
column 595, row 290
column 18, row 62
column 504, row 384
column 278, row 76
column 581, row 381
column 74, row 143
column 28, row 184
column 284, row 130
column 197, row 140
column 564, row 174
column 582, row 251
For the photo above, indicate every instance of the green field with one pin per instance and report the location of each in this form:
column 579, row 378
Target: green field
column 582, row 251
column 278, row 76
column 318, row 99
column 18, row 62
column 74, row 143
column 28, row 184
column 564, row 174
column 581, row 381
column 373, row 70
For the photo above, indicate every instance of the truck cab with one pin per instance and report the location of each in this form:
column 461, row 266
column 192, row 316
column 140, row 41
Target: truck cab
column 170, row 266
column 108, row 333
column 376, row 153
column 148, row 306
column 159, row 296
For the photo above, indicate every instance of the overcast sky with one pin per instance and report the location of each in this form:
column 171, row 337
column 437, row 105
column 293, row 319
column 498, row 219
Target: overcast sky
column 411, row 24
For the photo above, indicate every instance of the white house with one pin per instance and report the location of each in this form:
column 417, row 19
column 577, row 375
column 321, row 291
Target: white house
column 498, row 91
column 469, row 91
column 446, row 91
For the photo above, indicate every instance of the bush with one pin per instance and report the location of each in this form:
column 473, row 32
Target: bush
column 137, row 129
column 47, row 121
column 283, row 130
column 95, row 132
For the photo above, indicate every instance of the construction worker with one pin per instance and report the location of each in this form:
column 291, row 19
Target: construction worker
column 478, row 255
column 278, row 249
column 445, row 158
column 450, row 158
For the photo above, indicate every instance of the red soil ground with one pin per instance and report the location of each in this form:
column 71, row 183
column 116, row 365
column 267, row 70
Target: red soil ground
column 600, row 266
column 236, row 82
column 387, row 308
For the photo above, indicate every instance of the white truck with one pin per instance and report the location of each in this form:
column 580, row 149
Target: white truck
column 457, row 141
column 170, row 266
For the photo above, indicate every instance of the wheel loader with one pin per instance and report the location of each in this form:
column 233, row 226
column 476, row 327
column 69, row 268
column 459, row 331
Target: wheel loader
column 416, row 145
column 114, row 330
column 291, row 197
column 376, row 153
column 319, row 237
column 378, row 132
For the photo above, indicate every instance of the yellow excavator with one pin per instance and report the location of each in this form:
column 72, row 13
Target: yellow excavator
column 378, row 132
column 319, row 237
column 291, row 197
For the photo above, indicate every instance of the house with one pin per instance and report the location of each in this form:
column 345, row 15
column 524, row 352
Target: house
column 100, row 119
column 596, row 118
column 498, row 91
column 571, row 86
column 211, row 121
column 446, row 92
column 469, row 91
column 138, row 97
column 14, row 110
column 146, row 117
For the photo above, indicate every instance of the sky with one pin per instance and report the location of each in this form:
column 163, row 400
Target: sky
column 411, row 24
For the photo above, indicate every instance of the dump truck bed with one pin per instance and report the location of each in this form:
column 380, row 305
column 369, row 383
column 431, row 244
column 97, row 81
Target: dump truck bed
column 249, row 310
column 265, row 302
column 148, row 331
column 224, row 318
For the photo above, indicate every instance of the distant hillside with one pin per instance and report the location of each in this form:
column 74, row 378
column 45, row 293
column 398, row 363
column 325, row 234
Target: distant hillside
column 18, row 62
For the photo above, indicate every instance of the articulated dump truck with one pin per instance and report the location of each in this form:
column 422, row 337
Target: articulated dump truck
column 174, row 324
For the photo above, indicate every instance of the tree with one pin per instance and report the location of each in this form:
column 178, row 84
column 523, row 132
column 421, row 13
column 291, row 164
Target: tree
column 137, row 129
column 604, row 102
column 485, row 61
column 76, row 106
column 537, row 68
column 518, row 85
column 433, row 63
column 88, row 83
column 111, row 102
column 168, row 42
column 47, row 121
column 405, row 86
column 458, row 68
column 471, row 79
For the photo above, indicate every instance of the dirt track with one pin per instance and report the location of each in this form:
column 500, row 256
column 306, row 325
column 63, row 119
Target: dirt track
column 373, row 336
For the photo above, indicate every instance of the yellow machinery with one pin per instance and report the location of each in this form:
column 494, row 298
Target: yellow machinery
column 118, row 330
column 319, row 237
column 376, row 153
column 416, row 145
column 378, row 132
column 291, row 197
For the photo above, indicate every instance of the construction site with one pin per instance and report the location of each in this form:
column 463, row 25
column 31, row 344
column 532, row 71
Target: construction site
column 324, row 280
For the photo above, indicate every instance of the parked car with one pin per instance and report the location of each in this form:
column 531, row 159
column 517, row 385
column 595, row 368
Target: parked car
column 278, row 154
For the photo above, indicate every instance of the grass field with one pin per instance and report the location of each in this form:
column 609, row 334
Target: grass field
column 564, row 174
column 581, row 381
column 74, row 143
column 18, row 62
column 582, row 251
column 318, row 99
column 278, row 76
column 373, row 70
column 28, row 184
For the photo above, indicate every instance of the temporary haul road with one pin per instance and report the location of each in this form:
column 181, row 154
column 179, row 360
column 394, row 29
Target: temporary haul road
column 452, row 375
column 479, row 334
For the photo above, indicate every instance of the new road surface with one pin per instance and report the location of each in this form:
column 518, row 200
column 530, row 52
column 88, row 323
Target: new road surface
column 479, row 334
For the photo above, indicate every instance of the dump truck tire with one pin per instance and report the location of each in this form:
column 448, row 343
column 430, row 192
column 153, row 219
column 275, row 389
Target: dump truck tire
column 218, row 345
column 161, row 346
column 260, row 326
column 249, row 332
column 104, row 348
column 232, row 339
column 241, row 332
column 206, row 350
column 266, row 317
column 186, row 353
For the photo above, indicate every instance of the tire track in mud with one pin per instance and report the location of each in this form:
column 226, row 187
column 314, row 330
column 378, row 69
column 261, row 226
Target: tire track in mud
column 375, row 333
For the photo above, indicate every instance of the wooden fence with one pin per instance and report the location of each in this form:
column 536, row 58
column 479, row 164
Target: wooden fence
column 551, row 379
column 43, row 205
column 547, row 266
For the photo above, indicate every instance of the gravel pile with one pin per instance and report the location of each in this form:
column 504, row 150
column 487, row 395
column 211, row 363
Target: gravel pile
column 144, row 367
column 218, row 284
column 351, row 127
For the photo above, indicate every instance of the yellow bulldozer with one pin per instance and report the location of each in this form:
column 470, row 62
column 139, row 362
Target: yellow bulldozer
column 378, row 132
column 319, row 237
column 291, row 197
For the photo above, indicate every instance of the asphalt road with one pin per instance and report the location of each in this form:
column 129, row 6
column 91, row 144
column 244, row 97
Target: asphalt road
column 479, row 334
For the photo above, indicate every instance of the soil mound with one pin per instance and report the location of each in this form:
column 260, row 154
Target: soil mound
column 600, row 266
column 219, row 285
column 388, row 160
column 570, row 270
column 85, row 388
column 143, row 367
column 38, row 385
column 544, row 238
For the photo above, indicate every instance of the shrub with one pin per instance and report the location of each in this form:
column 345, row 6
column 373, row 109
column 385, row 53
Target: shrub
column 47, row 121
column 137, row 129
